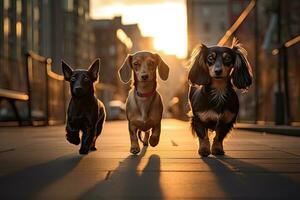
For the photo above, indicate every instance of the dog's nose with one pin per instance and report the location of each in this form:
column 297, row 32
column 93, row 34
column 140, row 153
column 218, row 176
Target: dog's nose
column 218, row 72
column 145, row 77
column 78, row 90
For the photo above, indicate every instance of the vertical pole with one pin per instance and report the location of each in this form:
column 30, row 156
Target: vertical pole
column 286, row 86
column 28, row 77
column 256, row 62
column 47, row 63
column 279, row 98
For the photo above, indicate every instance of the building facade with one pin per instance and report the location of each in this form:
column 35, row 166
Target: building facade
column 54, row 29
column 207, row 21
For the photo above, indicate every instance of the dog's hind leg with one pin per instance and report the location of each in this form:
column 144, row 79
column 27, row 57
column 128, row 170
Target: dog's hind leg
column 146, row 137
column 201, row 132
column 99, row 128
column 135, row 147
column 221, row 131
column 87, row 140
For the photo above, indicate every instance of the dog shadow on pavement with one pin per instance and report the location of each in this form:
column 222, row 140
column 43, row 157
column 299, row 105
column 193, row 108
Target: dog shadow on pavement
column 28, row 182
column 127, row 181
column 241, row 179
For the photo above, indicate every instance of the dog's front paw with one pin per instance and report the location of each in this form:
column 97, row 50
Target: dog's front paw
column 135, row 150
column 84, row 150
column 204, row 148
column 73, row 138
column 93, row 148
column 217, row 148
column 154, row 139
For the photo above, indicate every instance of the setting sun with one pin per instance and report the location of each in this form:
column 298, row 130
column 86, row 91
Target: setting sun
column 163, row 20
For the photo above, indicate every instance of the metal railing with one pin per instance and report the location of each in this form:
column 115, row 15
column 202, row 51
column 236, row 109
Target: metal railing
column 274, row 77
column 237, row 23
column 230, row 33
column 46, row 91
column 284, row 117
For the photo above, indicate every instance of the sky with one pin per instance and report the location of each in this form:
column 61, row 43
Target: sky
column 164, row 20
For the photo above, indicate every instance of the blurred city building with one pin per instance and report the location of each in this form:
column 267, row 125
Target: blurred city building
column 53, row 29
column 207, row 21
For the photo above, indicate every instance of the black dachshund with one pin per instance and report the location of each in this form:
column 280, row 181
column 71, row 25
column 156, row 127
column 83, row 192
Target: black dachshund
column 214, row 103
column 85, row 112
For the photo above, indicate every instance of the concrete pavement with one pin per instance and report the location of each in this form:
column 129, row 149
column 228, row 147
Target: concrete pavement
column 38, row 163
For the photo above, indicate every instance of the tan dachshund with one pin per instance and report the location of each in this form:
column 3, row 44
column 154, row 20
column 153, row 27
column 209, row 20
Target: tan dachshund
column 144, row 106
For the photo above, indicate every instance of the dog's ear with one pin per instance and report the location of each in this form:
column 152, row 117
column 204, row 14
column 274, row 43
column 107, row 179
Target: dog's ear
column 67, row 70
column 163, row 68
column 125, row 70
column 198, row 73
column 94, row 69
column 242, row 72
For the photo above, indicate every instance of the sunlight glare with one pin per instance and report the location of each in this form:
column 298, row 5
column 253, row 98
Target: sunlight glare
column 166, row 22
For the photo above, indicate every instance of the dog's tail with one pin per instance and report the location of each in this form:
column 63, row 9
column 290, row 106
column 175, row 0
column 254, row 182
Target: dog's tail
column 146, row 137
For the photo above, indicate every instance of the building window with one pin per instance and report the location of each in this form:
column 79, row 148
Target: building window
column 80, row 11
column 6, row 27
column 19, row 29
column 222, row 26
column 6, row 4
column 68, row 5
column 205, row 11
column 112, row 50
column 19, row 7
column 236, row 8
column 206, row 26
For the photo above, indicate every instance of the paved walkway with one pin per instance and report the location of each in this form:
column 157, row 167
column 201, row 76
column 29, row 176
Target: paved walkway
column 38, row 163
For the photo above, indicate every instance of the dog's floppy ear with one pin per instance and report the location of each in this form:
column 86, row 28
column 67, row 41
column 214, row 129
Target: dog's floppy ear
column 94, row 69
column 198, row 73
column 125, row 71
column 163, row 68
column 67, row 70
column 242, row 72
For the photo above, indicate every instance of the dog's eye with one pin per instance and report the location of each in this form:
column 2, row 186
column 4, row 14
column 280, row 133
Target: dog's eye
column 210, row 58
column 151, row 63
column 73, row 78
column 227, row 59
column 86, row 79
column 136, row 65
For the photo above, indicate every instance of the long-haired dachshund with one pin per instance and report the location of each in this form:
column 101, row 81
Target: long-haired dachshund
column 144, row 106
column 214, row 71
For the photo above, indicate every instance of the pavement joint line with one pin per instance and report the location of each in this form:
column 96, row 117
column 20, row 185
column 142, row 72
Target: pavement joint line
column 192, row 158
column 230, row 167
column 7, row 150
column 278, row 149
column 196, row 171
column 290, row 153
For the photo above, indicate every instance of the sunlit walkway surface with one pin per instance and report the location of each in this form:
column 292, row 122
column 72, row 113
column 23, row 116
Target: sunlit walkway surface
column 38, row 163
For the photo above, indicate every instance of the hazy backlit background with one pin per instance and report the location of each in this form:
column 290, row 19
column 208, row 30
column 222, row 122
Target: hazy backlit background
column 78, row 31
column 164, row 20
